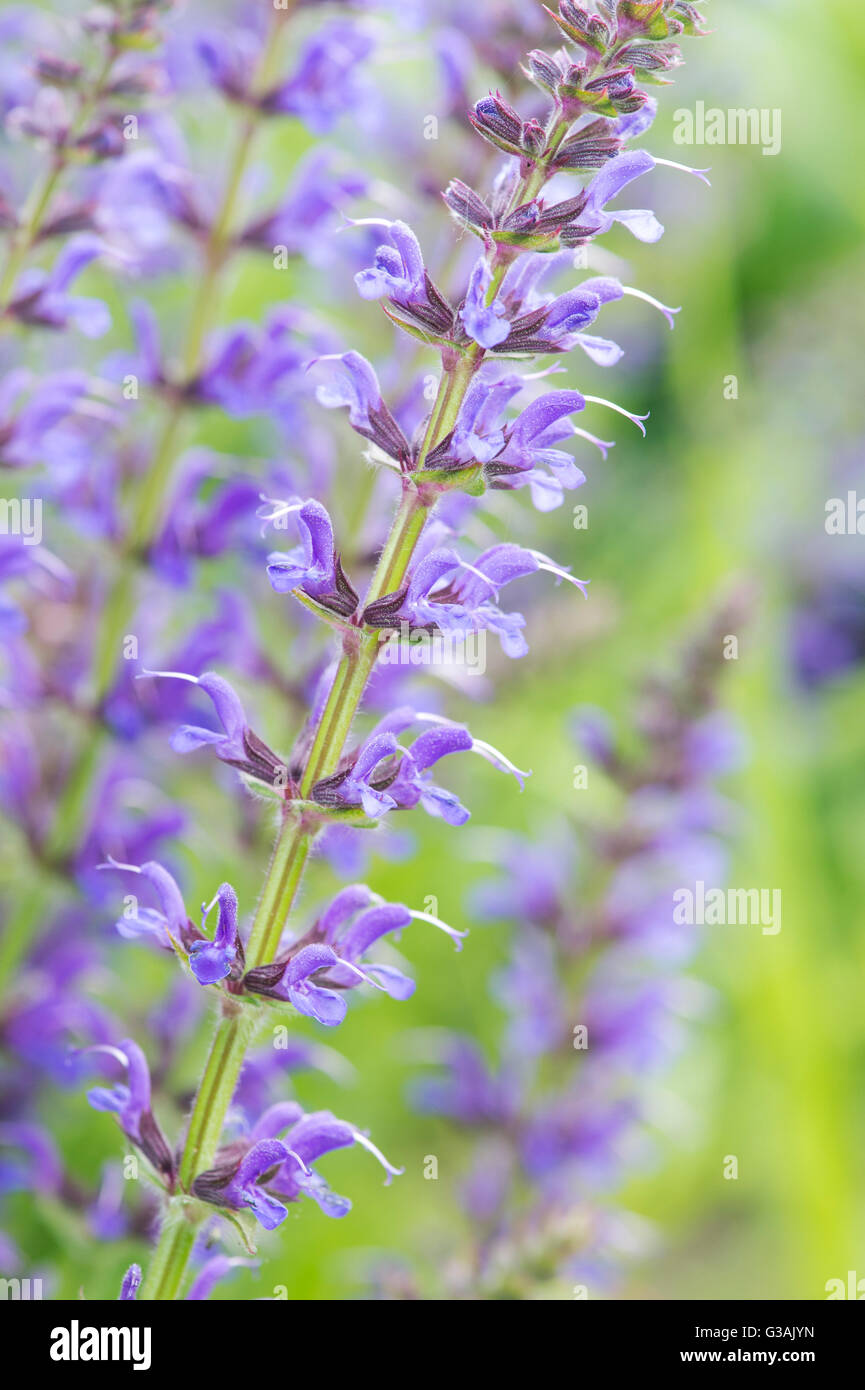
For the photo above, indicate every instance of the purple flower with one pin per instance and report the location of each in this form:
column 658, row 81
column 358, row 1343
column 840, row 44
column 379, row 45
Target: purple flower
column 353, row 383
column 252, row 370
column 323, row 966
column 211, row 961
column 309, row 1139
column 469, row 1091
column 325, row 85
column 230, row 745
column 243, row 1188
column 284, row 1166
column 608, row 184
column 129, row 1286
column 384, row 775
column 217, row 1268
column 312, row 567
column 30, row 409
column 301, row 222
column 42, row 1171
column 130, row 1102
column 486, row 323
column 41, row 298
column 455, row 596
column 171, row 921
column 398, row 271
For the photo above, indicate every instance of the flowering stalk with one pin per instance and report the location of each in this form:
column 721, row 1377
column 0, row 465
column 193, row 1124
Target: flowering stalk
column 489, row 320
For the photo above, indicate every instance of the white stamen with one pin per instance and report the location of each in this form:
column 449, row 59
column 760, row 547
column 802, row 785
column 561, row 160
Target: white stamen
column 492, row 755
column 545, row 563
column 464, row 564
column 655, row 303
column 457, row 937
column 109, row 1051
column 620, row 409
column 685, row 169
column 300, row 1161
column 112, row 863
column 168, row 675
column 601, row 444
column 377, row 1153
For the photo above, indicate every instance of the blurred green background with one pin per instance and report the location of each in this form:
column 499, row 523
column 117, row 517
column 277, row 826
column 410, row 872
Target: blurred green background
column 768, row 268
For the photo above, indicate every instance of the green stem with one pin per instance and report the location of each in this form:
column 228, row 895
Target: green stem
column 235, row 1033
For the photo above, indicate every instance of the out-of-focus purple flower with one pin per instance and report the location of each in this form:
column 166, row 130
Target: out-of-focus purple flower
column 468, row 1091
column 217, row 1268
column 41, row 299
column 327, row 81
column 300, row 223
column 41, row 1170
column 30, row 409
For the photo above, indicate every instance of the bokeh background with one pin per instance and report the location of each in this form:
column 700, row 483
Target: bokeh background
column 724, row 493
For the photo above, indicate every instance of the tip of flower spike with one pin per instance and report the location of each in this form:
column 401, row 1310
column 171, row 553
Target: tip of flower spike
column 457, row 937
column 389, row 1168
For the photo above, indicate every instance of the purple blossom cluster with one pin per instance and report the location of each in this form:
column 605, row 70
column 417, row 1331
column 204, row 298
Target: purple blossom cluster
column 96, row 648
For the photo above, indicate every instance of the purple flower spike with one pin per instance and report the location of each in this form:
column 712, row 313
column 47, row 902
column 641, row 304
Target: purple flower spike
column 129, row 1287
column 211, row 961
